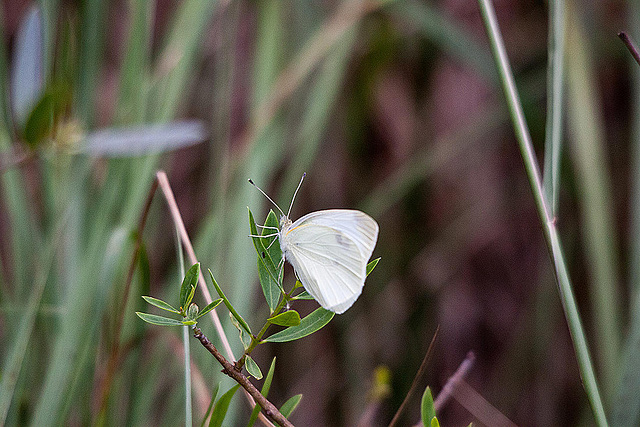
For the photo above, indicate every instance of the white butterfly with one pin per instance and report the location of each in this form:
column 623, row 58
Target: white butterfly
column 329, row 251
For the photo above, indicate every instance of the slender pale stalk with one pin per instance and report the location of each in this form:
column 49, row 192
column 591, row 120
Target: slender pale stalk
column 188, row 414
column 550, row 231
column 555, row 92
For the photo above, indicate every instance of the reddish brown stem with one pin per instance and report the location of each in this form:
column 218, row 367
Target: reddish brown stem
column 228, row 369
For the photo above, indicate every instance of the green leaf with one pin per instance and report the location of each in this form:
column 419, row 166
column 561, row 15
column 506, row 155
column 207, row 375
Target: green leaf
column 209, row 307
column 434, row 422
column 264, row 391
column 188, row 285
column 159, row 320
column 267, row 270
column 372, row 265
column 288, row 318
column 42, row 119
column 252, row 368
column 233, row 311
column 307, row 326
column 427, row 410
column 213, row 400
column 302, row 295
column 270, row 287
column 221, row 408
column 290, row 405
column 272, row 243
column 160, row 304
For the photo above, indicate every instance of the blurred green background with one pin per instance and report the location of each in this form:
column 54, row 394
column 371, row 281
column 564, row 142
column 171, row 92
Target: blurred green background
column 390, row 107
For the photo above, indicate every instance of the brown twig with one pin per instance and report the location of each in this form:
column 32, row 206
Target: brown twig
column 416, row 379
column 630, row 45
column 269, row 408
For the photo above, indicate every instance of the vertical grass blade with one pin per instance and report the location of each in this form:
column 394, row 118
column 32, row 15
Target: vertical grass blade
column 587, row 148
column 550, row 232
column 555, row 97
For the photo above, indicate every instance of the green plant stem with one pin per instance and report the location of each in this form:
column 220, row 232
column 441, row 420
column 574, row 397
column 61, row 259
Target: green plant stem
column 269, row 408
column 255, row 340
column 549, row 226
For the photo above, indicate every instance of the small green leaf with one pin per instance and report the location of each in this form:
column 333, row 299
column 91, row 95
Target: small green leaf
column 226, row 301
column 434, row 422
column 290, row 405
column 159, row 320
column 188, row 285
column 221, row 408
column 307, row 326
column 302, row 295
column 209, row 307
column 214, row 393
column 264, row 391
column 372, row 265
column 160, row 304
column 288, row 318
column 427, row 410
column 252, row 368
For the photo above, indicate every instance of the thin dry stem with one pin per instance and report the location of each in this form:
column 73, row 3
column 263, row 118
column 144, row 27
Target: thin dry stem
column 416, row 380
column 163, row 182
column 269, row 408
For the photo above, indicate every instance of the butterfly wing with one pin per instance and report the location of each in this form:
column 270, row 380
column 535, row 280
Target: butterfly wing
column 329, row 251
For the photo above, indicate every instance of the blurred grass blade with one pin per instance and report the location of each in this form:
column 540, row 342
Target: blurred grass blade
column 142, row 140
column 626, row 405
column 588, row 154
column 310, row 324
column 17, row 349
column 555, row 97
column 290, row 405
column 453, row 39
column 220, row 410
column 214, row 394
column 27, row 70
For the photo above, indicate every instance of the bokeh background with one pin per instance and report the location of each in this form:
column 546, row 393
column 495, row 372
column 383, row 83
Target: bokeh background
column 390, row 107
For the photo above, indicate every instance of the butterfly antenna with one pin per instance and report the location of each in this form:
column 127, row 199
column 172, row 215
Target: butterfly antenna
column 296, row 192
column 265, row 195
